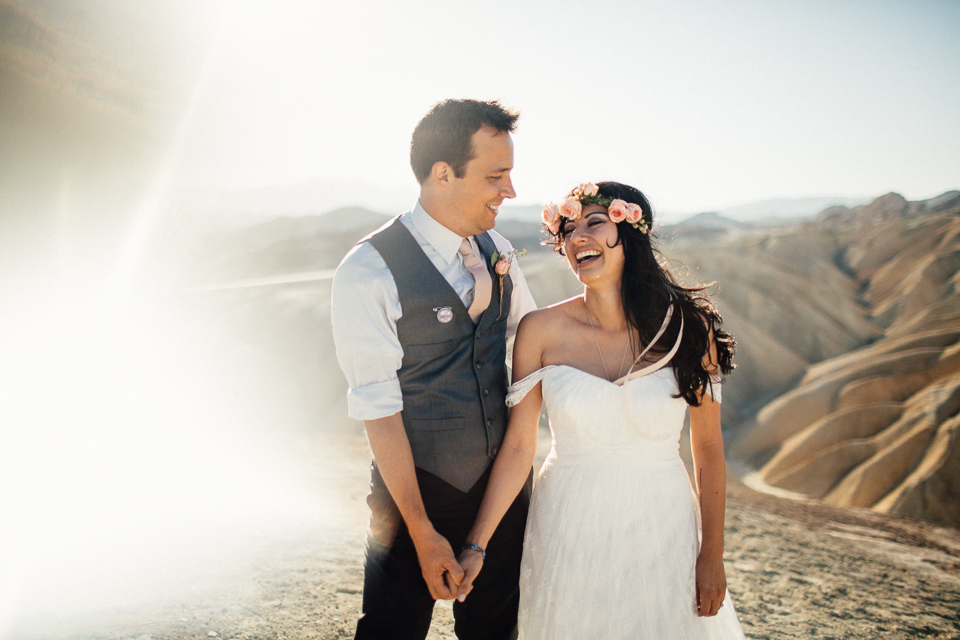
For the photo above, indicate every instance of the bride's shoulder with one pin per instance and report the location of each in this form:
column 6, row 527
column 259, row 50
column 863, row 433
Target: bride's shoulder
column 554, row 317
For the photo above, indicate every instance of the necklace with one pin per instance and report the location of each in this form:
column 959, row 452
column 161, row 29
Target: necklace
column 622, row 360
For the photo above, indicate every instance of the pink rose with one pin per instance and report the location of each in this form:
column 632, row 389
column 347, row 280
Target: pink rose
column 503, row 267
column 617, row 211
column 554, row 227
column 634, row 213
column 570, row 208
column 588, row 189
column 550, row 215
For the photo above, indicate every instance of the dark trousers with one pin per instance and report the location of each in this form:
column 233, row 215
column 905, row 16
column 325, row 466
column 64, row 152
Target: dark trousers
column 396, row 601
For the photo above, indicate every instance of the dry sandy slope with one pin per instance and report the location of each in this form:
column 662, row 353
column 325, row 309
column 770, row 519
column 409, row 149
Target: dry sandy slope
column 877, row 426
column 796, row 569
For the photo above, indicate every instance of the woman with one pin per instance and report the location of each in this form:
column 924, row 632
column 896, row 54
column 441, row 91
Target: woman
column 611, row 547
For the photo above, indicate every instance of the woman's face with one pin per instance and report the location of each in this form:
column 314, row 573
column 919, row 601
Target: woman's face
column 592, row 246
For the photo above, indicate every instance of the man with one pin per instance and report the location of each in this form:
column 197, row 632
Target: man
column 424, row 326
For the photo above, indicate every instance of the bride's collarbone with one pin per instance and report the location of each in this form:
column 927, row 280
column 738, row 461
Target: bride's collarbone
column 575, row 355
column 583, row 356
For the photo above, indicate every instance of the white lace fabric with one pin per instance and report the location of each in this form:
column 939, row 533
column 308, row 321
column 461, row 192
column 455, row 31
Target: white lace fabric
column 519, row 390
column 612, row 538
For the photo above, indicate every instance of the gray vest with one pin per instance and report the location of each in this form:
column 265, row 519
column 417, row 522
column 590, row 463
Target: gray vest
column 453, row 375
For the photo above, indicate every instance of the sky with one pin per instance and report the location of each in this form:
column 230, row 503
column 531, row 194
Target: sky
column 703, row 105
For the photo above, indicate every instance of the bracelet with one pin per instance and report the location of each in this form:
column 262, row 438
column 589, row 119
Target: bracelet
column 475, row 547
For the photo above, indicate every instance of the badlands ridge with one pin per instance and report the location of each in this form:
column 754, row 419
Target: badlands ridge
column 848, row 327
column 852, row 322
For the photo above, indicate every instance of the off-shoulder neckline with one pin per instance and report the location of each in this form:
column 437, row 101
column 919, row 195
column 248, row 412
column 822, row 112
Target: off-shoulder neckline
column 619, row 382
column 631, row 374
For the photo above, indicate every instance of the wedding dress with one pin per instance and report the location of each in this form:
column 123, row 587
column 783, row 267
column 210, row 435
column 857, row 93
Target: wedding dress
column 612, row 536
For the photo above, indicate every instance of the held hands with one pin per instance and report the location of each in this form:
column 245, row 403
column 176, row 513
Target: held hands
column 440, row 568
column 711, row 585
column 471, row 561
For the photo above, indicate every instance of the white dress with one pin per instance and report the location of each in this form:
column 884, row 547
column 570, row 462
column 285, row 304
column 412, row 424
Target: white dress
column 612, row 536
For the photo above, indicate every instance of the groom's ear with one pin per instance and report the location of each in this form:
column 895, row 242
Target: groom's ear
column 441, row 174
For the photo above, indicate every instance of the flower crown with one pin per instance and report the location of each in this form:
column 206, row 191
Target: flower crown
column 586, row 194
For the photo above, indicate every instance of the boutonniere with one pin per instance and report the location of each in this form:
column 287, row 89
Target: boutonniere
column 501, row 263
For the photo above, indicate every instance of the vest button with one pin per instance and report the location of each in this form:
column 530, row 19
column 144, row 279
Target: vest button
column 493, row 452
column 479, row 365
column 489, row 422
column 486, row 392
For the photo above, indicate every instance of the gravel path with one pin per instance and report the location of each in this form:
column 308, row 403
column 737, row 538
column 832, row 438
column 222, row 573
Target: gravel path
column 796, row 570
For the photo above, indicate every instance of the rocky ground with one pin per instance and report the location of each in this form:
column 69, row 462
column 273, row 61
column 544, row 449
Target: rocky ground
column 246, row 520
column 795, row 569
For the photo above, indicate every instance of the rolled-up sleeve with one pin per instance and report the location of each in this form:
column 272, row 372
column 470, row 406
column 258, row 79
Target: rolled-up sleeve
column 365, row 307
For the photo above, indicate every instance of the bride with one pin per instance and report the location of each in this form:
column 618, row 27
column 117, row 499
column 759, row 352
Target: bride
column 612, row 547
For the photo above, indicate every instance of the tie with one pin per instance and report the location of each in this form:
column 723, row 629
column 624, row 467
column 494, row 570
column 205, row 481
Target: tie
column 482, row 283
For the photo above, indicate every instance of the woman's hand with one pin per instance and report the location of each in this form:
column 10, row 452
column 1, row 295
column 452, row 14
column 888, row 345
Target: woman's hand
column 515, row 459
column 472, row 562
column 711, row 585
column 706, row 442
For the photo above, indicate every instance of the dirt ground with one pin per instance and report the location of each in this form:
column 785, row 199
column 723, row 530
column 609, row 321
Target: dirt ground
column 795, row 569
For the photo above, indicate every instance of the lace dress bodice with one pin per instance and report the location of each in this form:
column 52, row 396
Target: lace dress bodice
column 638, row 417
column 612, row 537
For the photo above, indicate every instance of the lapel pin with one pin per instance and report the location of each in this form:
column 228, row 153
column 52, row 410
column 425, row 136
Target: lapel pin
column 444, row 314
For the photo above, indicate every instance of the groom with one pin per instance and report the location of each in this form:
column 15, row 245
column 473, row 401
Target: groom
column 424, row 328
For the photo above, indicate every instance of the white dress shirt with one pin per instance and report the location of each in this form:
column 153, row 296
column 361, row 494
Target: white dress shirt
column 366, row 306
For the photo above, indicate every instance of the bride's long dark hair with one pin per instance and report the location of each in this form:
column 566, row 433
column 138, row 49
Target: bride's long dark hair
column 646, row 291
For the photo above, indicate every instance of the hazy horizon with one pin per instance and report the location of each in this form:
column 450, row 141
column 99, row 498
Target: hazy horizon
column 318, row 196
column 704, row 107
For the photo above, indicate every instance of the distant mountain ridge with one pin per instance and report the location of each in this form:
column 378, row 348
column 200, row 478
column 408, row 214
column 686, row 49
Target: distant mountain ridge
column 891, row 206
column 319, row 195
column 848, row 329
column 765, row 212
column 792, row 208
column 307, row 198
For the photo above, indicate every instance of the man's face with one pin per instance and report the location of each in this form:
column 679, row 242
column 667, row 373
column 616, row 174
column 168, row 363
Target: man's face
column 476, row 196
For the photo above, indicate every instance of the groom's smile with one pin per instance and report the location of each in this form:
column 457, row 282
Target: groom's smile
column 476, row 197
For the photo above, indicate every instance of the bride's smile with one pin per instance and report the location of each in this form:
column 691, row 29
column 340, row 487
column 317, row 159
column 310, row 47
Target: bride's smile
column 592, row 246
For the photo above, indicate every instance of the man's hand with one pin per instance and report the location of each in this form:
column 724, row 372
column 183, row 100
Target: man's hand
column 472, row 562
column 439, row 566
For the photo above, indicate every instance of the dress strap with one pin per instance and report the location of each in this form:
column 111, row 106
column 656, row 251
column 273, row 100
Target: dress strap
column 662, row 362
column 714, row 388
column 519, row 389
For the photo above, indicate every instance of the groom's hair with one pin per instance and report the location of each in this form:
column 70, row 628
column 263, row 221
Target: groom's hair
column 443, row 135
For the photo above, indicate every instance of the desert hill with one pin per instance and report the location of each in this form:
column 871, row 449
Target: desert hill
column 287, row 244
column 786, row 300
column 220, row 252
column 878, row 427
column 847, row 326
